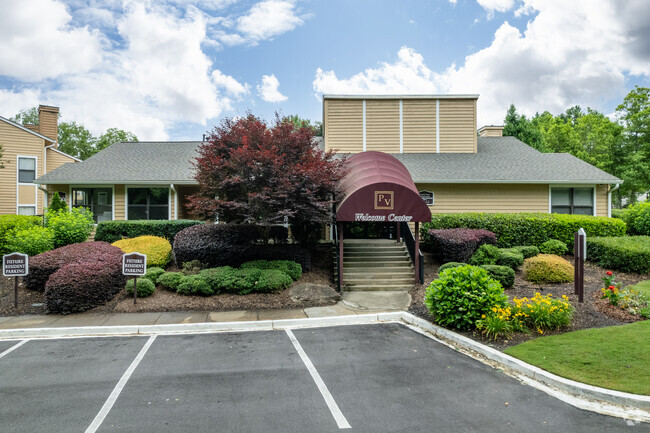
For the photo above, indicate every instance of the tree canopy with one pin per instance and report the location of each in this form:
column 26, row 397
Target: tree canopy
column 74, row 139
column 620, row 147
column 249, row 172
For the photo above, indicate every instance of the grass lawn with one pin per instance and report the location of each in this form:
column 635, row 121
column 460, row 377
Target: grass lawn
column 615, row 357
column 644, row 288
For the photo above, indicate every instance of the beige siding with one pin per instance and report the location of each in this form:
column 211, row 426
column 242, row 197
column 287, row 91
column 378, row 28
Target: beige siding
column 118, row 212
column 55, row 160
column 457, row 125
column 65, row 189
column 450, row 198
column 14, row 142
column 419, row 125
column 382, row 125
column 343, row 125
column 601, row 200
column 183, row 193
column 27, row 194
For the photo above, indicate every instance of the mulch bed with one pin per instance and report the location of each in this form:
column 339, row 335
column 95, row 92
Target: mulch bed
column 592, row 313
column 31, row 302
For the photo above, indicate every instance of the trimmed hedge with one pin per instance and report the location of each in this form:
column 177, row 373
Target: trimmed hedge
column 528, row 228
column 215, row 244
column 527, row 251
column 485, row 255
column 80, row 286
column 42, row 266
column 628, row 254
column 9, row 223
column 510, row 259
column 450, row 265
column 111, row 231
column 170, row 280
column 456, row 245
column 70, row 227
column 158, row 250
column 503, row 274
column 637, row 218
column 548, row 268
column 553, row 246
column 146, row 287
column 272, row 280
column 153, row 273
column 194, row 285
column 292, row 269
column 31, row 241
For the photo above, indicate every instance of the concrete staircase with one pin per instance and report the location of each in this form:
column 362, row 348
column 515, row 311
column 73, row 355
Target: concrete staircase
column 376, row 265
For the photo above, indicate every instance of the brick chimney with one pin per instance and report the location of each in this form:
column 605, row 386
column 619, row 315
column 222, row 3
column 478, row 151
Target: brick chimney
column 491, row 131
column 48, row 122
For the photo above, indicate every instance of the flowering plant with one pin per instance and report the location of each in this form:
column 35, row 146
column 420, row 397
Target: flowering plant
column 612, row 289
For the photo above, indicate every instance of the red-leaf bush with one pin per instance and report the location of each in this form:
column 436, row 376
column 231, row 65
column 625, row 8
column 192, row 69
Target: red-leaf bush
column 214, row 244
column 456, row 245
column 83, row 285
column 42, row 266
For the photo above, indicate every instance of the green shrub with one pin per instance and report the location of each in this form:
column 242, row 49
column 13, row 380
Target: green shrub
column 527, row 251
column 192, row 267
column 214, row 277
column 70, row 227
column 240, row 281
column 272, row 280
column 111, row 231
column 292, row 269
column 194, row 285
column 510, row 259
column 528, row 228
column 628, row 254
column 57, row 204
column 619, row 213
column 553, row 246
column 450, row 265
column 460, row 296
column 153, row 273
column 638, row 219
column 31, row 241
column 548, row 268
column 503, row 274
column 10, row 223
column 485, row 255
column 170, row 280
column 146, row 287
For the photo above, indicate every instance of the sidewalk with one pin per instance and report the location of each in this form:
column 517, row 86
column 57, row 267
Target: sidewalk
column 176, row 317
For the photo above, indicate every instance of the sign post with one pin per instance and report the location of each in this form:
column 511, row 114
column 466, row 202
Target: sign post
column 15, row 265
column 134, row 264
column 579, row 254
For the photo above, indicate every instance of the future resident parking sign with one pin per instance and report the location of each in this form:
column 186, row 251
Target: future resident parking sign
column 134, row 264
column 15, row 265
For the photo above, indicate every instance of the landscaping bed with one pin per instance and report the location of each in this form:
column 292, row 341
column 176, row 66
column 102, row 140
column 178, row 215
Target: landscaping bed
column 592, row 313
column 162, row 300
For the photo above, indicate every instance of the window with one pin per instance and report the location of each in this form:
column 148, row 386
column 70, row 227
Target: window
column 98, row 200
column 26, row 210
column 427, row 196
column 26, row 170
column 148, row 203
column 576, row 201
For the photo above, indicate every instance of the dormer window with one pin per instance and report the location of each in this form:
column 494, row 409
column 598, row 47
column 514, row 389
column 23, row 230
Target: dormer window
column 427, row 196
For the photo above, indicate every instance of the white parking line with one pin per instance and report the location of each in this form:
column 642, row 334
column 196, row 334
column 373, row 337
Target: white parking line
column 99, row 419
column 14, row 347
column 331, row 404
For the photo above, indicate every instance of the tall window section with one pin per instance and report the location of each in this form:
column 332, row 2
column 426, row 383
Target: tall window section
column 148, row 203
column 575, row 201
column 26, row 170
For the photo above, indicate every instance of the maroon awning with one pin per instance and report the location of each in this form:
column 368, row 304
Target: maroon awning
column 377, row 187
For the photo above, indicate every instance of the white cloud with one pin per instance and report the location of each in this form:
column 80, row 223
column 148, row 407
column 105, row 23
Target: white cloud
column 264, row 20
column 39, row 43
column 13, row 102
column 492, row 6
column 570, row 53
column 230, row 84
column 268, row 90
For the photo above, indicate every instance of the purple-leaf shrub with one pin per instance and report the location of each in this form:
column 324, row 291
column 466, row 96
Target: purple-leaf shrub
column 458, row 245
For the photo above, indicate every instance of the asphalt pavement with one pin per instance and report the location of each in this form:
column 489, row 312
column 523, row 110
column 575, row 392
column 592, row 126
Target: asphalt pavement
column 366, row 378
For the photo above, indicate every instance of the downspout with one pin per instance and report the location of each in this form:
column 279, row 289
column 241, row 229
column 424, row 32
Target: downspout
column 609, row 199
column 173, row 188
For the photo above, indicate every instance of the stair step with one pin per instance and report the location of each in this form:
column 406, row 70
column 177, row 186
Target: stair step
column 404, row 281
column 386, row 250
column 376, row 264
column 371, row 258
column 362, row 274
column 376, row 287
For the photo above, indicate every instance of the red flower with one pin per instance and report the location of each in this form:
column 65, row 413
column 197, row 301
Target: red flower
column 609, row 272
column 612, row 288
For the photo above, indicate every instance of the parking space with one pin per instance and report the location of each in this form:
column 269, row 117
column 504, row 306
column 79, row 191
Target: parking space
column 370, row 378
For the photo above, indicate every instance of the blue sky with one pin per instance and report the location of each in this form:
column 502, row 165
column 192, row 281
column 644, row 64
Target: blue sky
column 172, row 69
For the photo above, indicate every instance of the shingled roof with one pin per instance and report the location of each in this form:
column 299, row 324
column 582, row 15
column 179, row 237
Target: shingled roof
column 498, row 160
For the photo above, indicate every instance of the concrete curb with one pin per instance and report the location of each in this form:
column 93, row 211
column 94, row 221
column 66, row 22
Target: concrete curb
column 587, row 397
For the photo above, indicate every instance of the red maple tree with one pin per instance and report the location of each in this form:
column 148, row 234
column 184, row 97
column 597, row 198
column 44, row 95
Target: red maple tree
column 249, row 172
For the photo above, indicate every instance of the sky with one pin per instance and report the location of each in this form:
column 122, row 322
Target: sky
column 173, row 69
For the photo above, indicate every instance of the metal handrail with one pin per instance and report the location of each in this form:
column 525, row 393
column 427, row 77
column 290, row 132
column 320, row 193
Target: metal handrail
column 336, row 255
column 409, row 240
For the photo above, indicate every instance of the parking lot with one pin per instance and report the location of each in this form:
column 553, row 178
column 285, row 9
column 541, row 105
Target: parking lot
column 366, row 378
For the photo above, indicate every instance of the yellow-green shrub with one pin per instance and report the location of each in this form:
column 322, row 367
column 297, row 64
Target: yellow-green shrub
column 548, row 268
column 158, row 250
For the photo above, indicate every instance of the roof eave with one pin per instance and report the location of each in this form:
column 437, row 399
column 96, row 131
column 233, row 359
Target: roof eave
column 535, row 181
column 105, row 182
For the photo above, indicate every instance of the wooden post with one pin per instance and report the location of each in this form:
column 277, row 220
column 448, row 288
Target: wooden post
column 15, row 292
column 416, row 235
column 340, row 254
column 579, row 255
column 399, row 234
column 135, row 290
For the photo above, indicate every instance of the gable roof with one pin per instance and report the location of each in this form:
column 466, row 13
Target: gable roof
column 146, row 162
column 19, row 126
column 498, row 160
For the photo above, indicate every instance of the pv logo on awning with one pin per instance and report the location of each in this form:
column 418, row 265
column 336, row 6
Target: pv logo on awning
column 384, row 200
